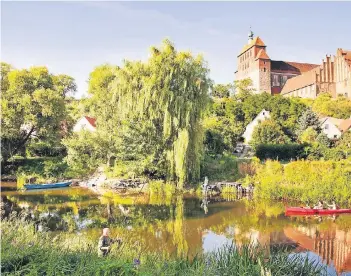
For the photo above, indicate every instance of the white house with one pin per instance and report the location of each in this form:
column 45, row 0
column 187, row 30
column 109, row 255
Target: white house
column 262, row 116
column 86, row 123
column 331, row 127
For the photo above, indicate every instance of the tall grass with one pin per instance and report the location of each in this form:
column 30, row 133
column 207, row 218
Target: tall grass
column 304, row 180
column 25, row 252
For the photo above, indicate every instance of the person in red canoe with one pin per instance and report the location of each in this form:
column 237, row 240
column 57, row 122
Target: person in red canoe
column 333, row 206
column 319, row 205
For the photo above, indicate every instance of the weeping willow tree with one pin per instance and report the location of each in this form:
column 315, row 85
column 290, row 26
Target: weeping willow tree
column 155, row 112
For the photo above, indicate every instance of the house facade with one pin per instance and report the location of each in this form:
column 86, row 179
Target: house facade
column 330, row 127
column 85, row 123
column 262, row 116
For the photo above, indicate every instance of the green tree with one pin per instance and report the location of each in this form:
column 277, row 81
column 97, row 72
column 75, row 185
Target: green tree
column 309, row 136
column 344, row 144
column 306, row 120
column 161, row 102
column 268, row 132
column 222, row 90
column 326, row 105
column 32, row 106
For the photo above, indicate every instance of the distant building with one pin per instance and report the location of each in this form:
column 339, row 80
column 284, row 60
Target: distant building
column 330, row 127
column 267, row 75
column 262, row 116
column 85, row 123
column 334, row 128
column 333, row 76
column 293, row 78
column 345, row 126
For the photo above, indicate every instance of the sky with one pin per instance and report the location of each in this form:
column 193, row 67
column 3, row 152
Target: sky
column 74, row 37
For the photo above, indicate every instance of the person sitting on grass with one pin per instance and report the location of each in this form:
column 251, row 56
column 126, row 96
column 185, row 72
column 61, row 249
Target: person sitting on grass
column 319, row 205
column 105, row 243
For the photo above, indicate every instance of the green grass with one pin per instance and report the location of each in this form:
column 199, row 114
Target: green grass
column 24, row 252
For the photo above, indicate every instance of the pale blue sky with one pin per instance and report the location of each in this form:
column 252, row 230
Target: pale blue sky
column 74, row 37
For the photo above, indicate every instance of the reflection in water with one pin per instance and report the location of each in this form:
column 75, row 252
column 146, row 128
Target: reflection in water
column 186, row 226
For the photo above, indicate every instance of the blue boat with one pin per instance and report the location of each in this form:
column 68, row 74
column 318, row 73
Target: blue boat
column 47, row 186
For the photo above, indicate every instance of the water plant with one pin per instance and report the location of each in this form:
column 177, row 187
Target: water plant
column 25, row 252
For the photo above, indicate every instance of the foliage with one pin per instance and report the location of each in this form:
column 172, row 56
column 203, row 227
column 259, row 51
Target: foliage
column 42, row 170
column 26, row 252
column 32, row 104
column 281, row 151
column 222, row 91
column 325, row 105
column 161, row 188
column 305, row 180
column 85, row 151
column 152, row 112
column 268, row 132
column 224, row 167
column 306, row 120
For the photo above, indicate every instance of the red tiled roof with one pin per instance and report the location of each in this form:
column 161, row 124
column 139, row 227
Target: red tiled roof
column 300, row 81
column 262, row 55
column 345, row 125
column 257, row 41
column 293, row 67
column 91, row 120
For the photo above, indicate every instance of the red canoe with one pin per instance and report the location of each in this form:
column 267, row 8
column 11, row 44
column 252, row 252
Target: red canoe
column 302, row 211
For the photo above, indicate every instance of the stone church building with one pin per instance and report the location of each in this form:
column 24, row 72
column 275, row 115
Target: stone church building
column 293, row 78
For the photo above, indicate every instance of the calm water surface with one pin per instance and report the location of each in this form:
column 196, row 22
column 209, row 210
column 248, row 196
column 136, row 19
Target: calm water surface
column 188, row 225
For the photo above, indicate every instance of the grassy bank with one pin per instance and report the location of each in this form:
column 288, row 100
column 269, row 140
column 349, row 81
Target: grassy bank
column 27, row 253
column 304, row 181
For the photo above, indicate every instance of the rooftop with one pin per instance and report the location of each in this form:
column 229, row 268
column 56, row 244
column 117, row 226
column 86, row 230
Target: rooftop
column 91, row 120
column 257, row 41
column 296, row 67
column 300, row 81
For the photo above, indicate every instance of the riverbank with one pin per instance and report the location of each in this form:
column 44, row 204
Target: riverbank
column 26, row 252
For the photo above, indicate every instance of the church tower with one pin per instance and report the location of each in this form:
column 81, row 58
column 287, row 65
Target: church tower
column 254, row 63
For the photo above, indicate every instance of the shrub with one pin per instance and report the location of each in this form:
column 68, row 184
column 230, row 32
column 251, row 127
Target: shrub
column 224, row 167
column 305, row 180
column 280, row 151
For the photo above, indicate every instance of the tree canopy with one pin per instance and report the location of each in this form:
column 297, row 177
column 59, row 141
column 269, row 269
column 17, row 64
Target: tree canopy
column 32, row 105
column 151, row 112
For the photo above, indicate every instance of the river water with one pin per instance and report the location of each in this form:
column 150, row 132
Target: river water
column 188, row 225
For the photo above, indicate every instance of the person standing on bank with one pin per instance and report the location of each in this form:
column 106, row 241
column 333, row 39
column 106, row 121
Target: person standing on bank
column 105, row 243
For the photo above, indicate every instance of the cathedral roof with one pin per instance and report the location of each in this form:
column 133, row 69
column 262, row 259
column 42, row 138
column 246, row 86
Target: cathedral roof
column 262, row 55
column 293, row 67
column 306, row 79
column 257, row 41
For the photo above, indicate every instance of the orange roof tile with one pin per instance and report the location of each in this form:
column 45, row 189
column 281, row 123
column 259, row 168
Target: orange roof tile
column 300, row 81
column 257, row 41
column 345, row 125
column 262, row 55
column 91, row 121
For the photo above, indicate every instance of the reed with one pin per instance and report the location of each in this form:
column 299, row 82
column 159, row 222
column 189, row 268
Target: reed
column 25, row 252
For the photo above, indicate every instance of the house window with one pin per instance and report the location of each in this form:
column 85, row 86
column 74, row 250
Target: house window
column 335, row 136
column 264, row 69
column 275, row 80
column 326, row 126
column 263, row 113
